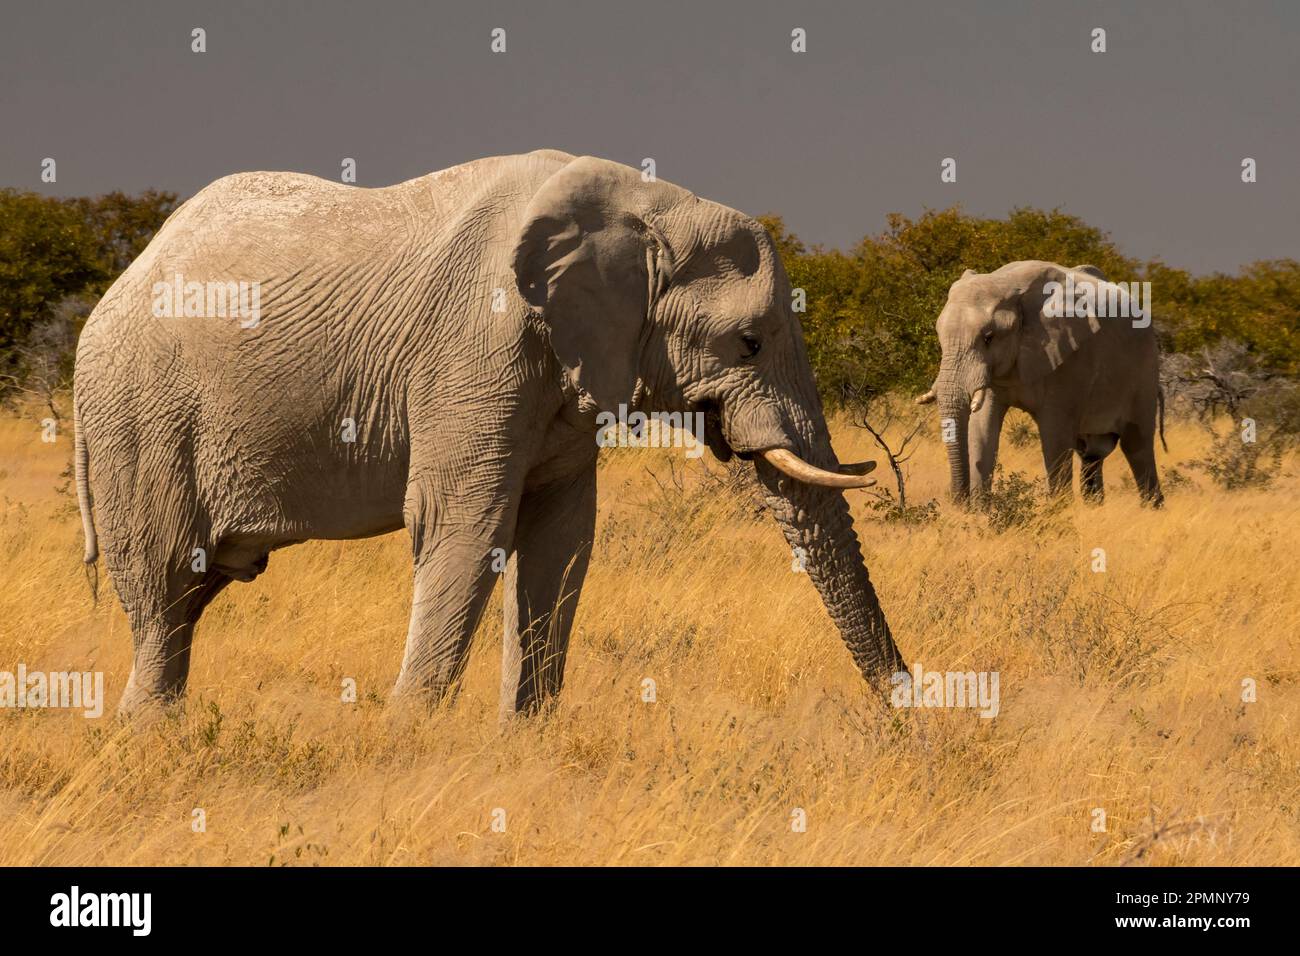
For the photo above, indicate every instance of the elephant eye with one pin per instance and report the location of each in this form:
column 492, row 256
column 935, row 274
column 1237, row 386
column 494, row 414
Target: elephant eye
column 988, row 337
column 752, row 345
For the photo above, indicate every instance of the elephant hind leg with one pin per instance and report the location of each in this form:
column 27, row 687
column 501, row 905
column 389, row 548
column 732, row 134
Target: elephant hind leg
column 1093, row 450
column 164, row 576
column 1091, row 483
column 1139, row 447
column 162, row 628
column 156, row 539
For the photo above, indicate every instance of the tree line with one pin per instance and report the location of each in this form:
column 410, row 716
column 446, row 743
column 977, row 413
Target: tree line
column 869, row 314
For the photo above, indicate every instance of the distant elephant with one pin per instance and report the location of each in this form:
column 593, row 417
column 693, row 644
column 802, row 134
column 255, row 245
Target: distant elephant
column 1047, row 340
column 434, row 355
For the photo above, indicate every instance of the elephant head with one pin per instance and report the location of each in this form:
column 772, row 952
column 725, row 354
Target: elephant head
column 654, row 296
column 1005, row 328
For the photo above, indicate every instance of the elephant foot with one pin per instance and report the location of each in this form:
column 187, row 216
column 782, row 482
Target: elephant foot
column 142, row 707
column 156, row 683
column 427, row 695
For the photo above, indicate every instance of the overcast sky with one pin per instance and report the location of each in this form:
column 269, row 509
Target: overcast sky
column 1144, row 141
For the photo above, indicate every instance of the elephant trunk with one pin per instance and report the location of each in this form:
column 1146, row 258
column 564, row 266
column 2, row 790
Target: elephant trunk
column 961, row 390
column 954, row 420
column 819, row 530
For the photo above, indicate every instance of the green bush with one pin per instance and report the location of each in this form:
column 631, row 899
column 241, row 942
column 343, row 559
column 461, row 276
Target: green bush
column 57, row 251
column 1233, row 464
column 1012, row 502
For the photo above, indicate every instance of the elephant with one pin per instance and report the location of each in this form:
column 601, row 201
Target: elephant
column 433, row 356
column 1086, row 370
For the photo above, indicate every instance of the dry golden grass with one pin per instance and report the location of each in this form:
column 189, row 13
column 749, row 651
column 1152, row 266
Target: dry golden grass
column 1120, row 691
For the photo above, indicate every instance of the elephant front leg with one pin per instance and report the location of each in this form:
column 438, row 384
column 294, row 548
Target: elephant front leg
column 455, row 544
column 1058, row 454
column 553, row 540
column 984, row 435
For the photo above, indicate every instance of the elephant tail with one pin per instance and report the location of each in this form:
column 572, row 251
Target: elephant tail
column 1160, row 405
column 81, row 471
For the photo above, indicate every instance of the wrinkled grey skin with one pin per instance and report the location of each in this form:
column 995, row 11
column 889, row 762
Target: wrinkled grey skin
column 1090, row 383
column 475, row 428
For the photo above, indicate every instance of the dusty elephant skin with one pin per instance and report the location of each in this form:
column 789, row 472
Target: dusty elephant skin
column 463, row 330
column 1089, row 379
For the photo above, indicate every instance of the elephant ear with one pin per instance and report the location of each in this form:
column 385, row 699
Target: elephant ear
column 590, row 263
column 1053, row 328
column 1092, row 271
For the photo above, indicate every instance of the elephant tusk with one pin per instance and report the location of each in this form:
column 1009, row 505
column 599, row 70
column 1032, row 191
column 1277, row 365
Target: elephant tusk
column 925, row 399
column 857, row 468
column 977, row 400
column 791, row 464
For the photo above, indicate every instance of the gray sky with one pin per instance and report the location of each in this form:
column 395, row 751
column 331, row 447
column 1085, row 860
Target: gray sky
column 1144, row 141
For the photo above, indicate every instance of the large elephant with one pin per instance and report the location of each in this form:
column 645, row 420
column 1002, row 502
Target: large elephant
column 1067, row 347
column 433, row 355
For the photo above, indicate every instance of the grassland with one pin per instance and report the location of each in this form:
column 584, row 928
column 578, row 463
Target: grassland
column 1120, row 691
